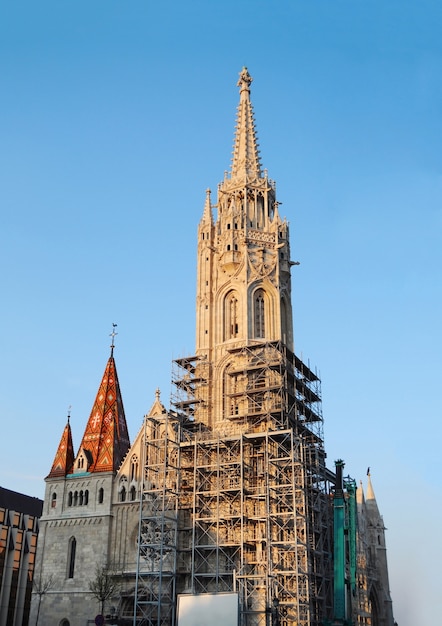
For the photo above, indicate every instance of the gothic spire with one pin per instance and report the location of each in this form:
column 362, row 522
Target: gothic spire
column 106, row 438
column 207, row 214
column 370, row 499
column 246, row 162
column 64, row 458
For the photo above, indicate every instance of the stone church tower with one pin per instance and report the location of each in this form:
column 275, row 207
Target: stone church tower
column 227, row 493
column 243, row 278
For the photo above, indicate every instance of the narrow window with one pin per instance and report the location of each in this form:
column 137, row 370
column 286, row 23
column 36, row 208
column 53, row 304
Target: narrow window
column 231, row 316
column 100, row 495
column 70, row 499
column 134, row 468
column 71, row 556
column 123, row 494
column 133, row 493
column 259, row 310
column 75, row 498
column 86, row 497
column 81, row 498
column 54, row 500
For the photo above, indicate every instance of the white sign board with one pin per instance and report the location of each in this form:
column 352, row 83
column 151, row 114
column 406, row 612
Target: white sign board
column 208, row 609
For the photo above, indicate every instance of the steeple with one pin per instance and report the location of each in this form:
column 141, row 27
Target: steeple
column 106, row 439
column 64, row 458
column 370, row 499
column 246, row 164
column 243, row 277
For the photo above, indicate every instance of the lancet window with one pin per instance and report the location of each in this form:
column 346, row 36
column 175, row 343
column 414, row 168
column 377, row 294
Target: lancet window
column 134, row 468
column 231, row 315
column 72, row 548
column 259, row 313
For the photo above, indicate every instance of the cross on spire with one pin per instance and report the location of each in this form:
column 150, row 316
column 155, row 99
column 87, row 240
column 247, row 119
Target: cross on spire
column 113, row 334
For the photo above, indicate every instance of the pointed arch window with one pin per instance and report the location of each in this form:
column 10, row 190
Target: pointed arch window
column 72, row 549
column 123, row 489
column 134, row 468
column 100, row 495
column 259, row 313
column 54, row 500
column 231, row 327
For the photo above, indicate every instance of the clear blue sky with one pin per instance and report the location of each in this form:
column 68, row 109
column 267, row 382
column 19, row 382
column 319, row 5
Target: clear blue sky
column 115, row 118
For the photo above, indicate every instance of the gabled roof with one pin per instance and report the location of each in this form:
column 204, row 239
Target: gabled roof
column 64, row 457
column 106, row 438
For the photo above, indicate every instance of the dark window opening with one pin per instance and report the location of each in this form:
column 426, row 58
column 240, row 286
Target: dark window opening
column 72, row 551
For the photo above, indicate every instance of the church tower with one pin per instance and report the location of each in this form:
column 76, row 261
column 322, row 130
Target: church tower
column 374, row 604
column 76, row 525
column 243, row 275
column 254, row 510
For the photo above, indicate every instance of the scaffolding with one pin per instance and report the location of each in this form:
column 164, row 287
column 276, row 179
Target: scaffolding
column 254, row 504
column 155, row 590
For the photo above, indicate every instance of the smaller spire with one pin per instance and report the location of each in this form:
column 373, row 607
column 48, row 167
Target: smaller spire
column 207, row 214
column 370, row 491
column 106, row 438
column 64, row 457
column 157, row 407
column 370, row 499
column 360, row 493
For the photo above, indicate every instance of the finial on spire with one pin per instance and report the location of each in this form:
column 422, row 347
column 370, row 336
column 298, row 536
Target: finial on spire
column 245, row 80
column 69, row 413
column 113, row 334
column 157, row 394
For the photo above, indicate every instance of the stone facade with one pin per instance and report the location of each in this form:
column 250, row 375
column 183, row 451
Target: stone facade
column 235, row 492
